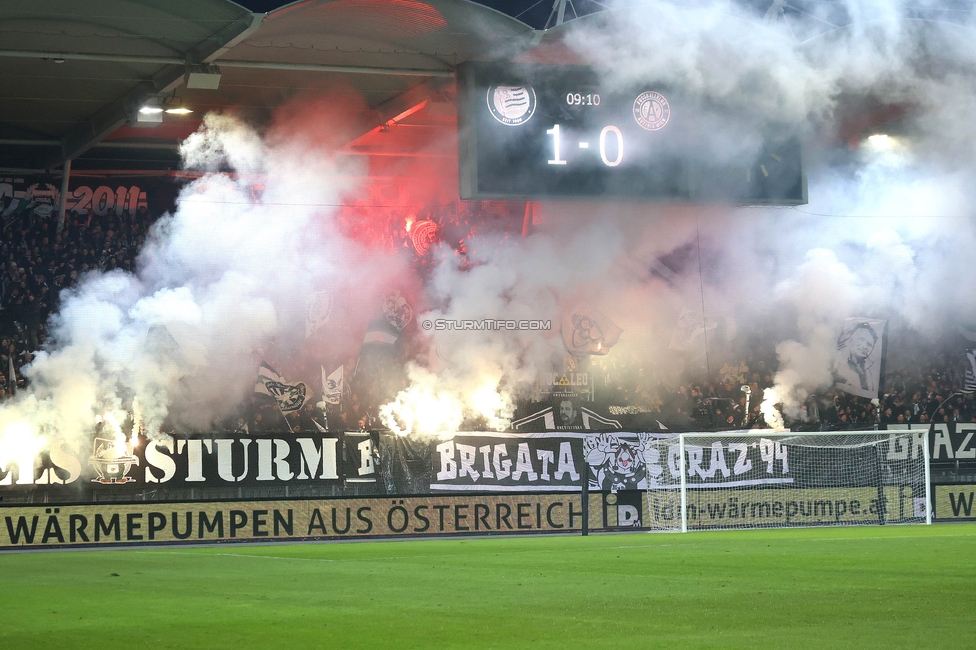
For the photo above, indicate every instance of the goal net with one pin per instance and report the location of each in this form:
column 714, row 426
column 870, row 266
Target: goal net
column 733, row 480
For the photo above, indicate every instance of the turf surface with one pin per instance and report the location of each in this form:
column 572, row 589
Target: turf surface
column 866, row 587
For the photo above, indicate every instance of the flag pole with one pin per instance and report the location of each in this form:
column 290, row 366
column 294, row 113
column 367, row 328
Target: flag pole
column 285, row 417
column 12, row 379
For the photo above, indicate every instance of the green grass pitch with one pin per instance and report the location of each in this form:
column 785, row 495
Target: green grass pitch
column 911, row 586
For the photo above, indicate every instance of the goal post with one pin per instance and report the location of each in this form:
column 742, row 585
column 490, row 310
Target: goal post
column 767, row 479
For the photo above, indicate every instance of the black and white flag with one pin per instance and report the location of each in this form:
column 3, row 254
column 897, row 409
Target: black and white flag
column 290, row 396
column 332, row 386
column 969, row 384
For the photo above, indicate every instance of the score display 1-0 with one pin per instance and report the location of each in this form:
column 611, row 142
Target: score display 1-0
column 651, row 111
column 617, row 146
column 534, row 131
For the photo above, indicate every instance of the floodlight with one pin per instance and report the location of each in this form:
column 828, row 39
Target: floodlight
column 149, row 115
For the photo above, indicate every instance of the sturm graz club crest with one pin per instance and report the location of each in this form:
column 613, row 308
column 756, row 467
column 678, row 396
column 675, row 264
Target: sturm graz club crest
column 111, row 460
column 290, row 397
column 511, row 105
column 652, row 110
column 46, row 198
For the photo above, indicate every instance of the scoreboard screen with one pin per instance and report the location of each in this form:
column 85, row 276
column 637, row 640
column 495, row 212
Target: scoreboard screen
column 541, row 131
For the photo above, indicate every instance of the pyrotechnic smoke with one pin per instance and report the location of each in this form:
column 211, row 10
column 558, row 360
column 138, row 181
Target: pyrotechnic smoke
column 229, row 271
column 482, row 372
column 795, row 275
column 224, row 275
column 892, row 245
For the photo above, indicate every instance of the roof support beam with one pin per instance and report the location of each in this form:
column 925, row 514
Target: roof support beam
column 87, row 134
column 230, row 63
column 347, row 69
column 127, row 144
column 397, row 108
column 87, row 56
column 29, row 142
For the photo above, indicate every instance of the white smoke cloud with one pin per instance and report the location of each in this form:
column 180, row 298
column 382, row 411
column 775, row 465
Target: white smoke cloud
column 229, row 272
column 483, row 372
column 224, row 275
column 886, row 248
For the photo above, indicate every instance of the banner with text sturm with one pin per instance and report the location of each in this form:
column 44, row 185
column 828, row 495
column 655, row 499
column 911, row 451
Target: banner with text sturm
column 201, row 461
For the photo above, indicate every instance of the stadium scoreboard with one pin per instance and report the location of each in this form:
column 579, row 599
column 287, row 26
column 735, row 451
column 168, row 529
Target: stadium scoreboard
column 544, row 131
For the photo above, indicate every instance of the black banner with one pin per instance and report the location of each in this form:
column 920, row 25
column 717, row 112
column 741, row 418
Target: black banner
column 953, row 441
column 203, row 461
column 360, row 457
column 639, row 461
column 41, row 195
column 489, row 462
column 500, row 462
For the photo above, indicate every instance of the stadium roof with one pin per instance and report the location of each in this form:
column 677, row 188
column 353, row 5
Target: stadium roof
column 75, row 74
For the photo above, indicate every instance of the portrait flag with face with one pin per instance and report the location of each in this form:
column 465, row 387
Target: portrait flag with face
column 859, row 364
column 587, row 331
column 318, row 310
column 332, row 386
column 969, row 383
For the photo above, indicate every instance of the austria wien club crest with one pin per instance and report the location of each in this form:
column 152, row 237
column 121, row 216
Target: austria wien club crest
column 652, row 110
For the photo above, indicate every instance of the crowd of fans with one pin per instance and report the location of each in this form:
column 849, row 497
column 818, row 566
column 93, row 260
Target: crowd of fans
column 921, row 387
column 37, row 262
